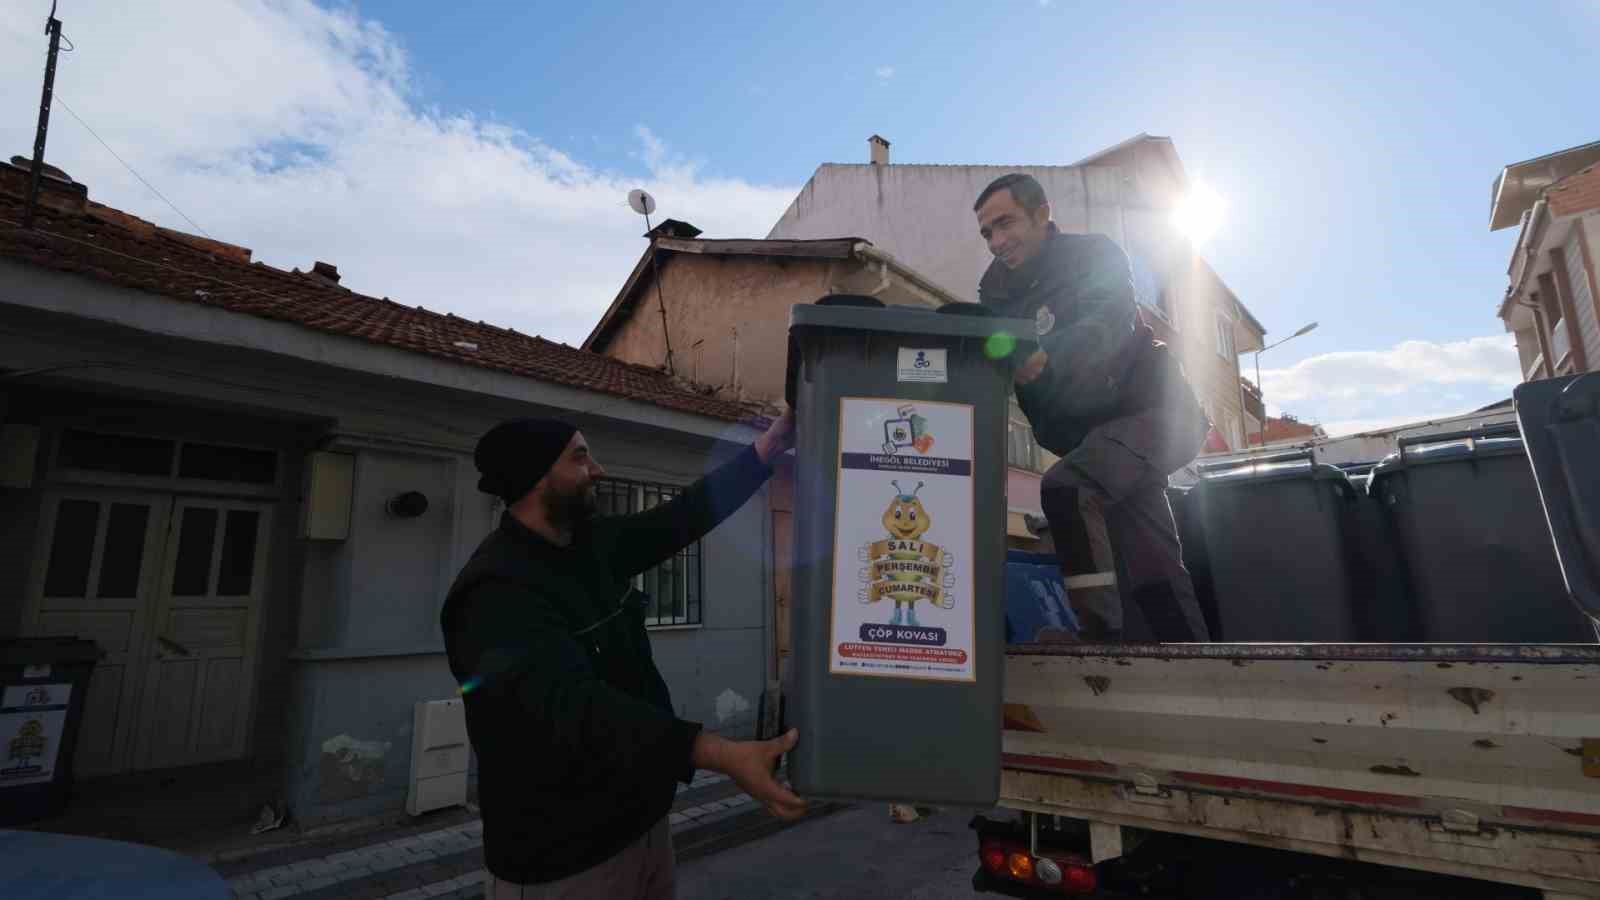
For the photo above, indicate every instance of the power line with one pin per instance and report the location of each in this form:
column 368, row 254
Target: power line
column 57, row 99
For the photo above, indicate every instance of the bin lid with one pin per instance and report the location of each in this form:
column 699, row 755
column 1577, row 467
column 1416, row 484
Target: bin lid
column 910, row 320
column 44, row 651
column 1276, row 470
column 1446, row 448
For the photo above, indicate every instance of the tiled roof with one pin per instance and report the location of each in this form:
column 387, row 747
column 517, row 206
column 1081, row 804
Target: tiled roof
column 107, row 245
column 1286, row 430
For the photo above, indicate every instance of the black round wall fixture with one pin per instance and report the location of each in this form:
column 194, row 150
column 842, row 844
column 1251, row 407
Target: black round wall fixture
column 408, row 505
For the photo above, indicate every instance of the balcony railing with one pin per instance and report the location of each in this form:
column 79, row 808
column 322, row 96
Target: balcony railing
column 1560, row 344
column 1252, row 399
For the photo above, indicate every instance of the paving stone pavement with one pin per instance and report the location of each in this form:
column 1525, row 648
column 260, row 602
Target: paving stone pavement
column 408, row 864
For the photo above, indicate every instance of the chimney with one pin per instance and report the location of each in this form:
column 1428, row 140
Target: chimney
column 672, row 228
column 327, row 271
column 57, row 191
column 880, row 150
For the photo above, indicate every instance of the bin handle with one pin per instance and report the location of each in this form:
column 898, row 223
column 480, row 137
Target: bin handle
column 863, row 301
column 1471, row 436
column 1230, row 465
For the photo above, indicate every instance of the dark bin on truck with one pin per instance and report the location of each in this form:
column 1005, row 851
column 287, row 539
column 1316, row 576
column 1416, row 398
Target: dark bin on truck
column 1476, row 546
column 1280, row 554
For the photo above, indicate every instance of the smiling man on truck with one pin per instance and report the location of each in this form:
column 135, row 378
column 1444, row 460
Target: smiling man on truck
column 1106, row 397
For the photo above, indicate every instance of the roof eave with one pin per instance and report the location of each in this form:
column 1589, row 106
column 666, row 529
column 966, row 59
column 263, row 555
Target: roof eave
column 601, row 333
column 829, row 248
column 1508, row 204
column 1118, row 147
column 865, row 251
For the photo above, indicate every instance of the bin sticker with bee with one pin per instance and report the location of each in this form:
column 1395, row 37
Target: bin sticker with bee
column 32, row 718
column 902, row 580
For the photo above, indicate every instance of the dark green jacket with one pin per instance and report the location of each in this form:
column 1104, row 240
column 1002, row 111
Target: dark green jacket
column 1104, row 364
column 578, row 747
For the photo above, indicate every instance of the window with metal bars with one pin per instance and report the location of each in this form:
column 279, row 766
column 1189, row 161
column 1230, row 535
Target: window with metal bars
column 673, row 586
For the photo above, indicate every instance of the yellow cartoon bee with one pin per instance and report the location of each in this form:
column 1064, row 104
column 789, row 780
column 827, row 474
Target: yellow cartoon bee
column 905, row 518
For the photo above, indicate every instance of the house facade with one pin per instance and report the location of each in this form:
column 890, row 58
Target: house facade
column 922, row 214
column 252, row 488
column 1551, row 302
column 721, row 307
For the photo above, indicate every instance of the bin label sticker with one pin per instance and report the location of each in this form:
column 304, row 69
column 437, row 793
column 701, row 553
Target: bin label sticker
column 923, row 365
column 31, row 672
column 902, row 578
column 32, row 718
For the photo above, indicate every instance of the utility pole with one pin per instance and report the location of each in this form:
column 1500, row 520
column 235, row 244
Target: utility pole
column 53, row 28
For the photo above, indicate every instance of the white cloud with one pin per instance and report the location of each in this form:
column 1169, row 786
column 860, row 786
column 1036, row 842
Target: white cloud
column 885, row 73
column 1363, row 390
column 295, row 130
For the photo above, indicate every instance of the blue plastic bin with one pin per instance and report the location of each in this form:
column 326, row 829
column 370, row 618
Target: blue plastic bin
column 1036, row 600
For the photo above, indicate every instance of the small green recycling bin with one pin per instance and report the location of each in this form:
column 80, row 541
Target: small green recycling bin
column 900, row 549
column 43, row 684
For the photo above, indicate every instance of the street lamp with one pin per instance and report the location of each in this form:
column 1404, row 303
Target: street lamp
column 1261, row 427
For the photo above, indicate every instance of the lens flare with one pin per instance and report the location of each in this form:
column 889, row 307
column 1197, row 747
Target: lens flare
column 1000, row 345
column 470, row 685
column 1199, row 215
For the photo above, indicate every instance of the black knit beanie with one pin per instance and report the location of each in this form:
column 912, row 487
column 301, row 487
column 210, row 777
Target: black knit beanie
column 514, row 455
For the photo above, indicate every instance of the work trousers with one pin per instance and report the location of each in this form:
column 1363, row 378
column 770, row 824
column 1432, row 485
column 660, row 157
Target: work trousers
column 642, row 871
column 1107, row 506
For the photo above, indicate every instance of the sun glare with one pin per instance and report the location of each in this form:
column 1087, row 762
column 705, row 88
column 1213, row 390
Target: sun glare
column 1199, row 214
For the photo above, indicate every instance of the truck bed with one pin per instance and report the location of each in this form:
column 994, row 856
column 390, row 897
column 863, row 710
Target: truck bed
column 1476, row 760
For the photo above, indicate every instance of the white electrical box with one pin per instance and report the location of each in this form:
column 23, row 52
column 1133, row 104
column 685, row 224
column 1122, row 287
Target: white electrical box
column 330, row 486
column 439, row 755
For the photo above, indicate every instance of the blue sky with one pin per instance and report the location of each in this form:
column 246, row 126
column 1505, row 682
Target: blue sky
column 1354, row 144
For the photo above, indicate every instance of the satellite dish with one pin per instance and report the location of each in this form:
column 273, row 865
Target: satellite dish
column 642, row 203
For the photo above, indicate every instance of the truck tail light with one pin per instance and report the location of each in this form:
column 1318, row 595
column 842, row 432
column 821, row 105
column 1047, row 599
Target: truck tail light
column 1021, row 866
column 1078, row 879
column 994, row 859
column 1010, row 860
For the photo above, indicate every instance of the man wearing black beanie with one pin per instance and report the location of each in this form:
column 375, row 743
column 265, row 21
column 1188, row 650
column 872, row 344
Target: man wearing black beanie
column 578, row 748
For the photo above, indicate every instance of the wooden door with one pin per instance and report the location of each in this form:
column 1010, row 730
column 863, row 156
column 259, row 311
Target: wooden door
column 94, row 577
column 200, row 666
